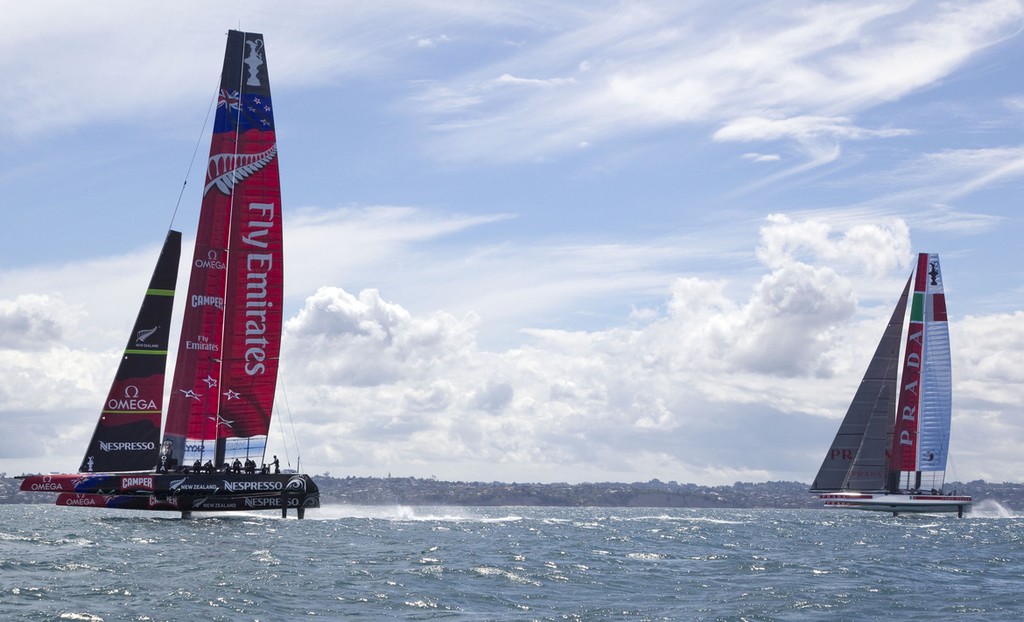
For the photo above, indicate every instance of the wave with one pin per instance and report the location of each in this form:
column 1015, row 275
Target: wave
column 405, row 513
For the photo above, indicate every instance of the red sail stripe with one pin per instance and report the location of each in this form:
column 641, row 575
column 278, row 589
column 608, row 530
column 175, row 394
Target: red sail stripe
column 939, row 307
column 903, row 455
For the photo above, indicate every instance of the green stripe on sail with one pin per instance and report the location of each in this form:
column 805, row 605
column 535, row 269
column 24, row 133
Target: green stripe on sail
column 131, row 351
column 917, row 308
column 159, row 292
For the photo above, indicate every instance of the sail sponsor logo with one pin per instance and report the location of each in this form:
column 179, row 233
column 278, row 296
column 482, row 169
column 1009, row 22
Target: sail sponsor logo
column 262, row 502
column 212, row 262
column 270, row 502
column 252, row 486
column 126, row 446
column 858, row 474
column 183, row 485
column 909, row 397
column 202, row 343
column 258, row 268
column 841, row 454
column 136, row 482
column 81, row 501
column 207, row 301
column 131, row 401
column 46, row 485
column 207, row 504
column 169, row 502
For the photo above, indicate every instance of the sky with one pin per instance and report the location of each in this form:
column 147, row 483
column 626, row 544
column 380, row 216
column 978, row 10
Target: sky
column 533, row 241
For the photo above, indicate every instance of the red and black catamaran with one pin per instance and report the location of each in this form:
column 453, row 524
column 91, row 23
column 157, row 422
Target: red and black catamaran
column 222, row 394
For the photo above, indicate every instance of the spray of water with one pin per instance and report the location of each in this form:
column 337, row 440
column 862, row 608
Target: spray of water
column 989, row 508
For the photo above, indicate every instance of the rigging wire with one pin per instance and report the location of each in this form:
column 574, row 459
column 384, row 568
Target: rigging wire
column 199, row 141
column 291, row 422
column 952, row 467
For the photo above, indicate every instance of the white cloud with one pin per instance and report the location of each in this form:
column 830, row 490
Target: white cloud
column 33, row 321
column 549, row 82
column 729, row 380
column 762, row 157
column 998, row 165
column 604, row 72
column 775, row 72
column 431, row 42
column 637, row 397
column 877, row 249
column 367, row 341
column 804, row 128
column 988, row 388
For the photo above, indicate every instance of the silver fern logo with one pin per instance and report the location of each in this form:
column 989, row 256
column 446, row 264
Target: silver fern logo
column 228, row 169
column 143, row 335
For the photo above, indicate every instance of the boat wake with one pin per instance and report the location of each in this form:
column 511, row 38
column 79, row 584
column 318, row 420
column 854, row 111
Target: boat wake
column 405, row 513
column 989, row 508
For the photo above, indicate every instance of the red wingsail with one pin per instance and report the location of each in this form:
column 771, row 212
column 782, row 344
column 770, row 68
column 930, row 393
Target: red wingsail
column 223, row 391
column 908, row 411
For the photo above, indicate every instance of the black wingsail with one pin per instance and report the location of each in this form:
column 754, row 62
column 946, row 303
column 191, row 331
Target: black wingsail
column 856, row 460
column 127, row 436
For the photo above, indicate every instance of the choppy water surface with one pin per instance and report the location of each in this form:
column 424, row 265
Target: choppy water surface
column 509, row 564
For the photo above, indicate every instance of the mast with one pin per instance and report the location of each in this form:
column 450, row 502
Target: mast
column 226, row 370
column 128, row 431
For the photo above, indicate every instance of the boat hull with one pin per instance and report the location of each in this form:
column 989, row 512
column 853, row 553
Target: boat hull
column 181, row 492
column 898, row 503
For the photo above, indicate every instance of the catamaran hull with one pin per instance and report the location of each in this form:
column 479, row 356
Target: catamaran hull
column 187, row 504
column 898, row 504
column 181, row 492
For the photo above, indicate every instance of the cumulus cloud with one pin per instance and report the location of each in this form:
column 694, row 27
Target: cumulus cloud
column 367, row 341
column 685, row 390
column 876, row 249
column 33, row 321
column 722, row 380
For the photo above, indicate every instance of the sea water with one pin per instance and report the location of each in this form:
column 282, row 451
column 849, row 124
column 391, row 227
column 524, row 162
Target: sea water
column 509, row 563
